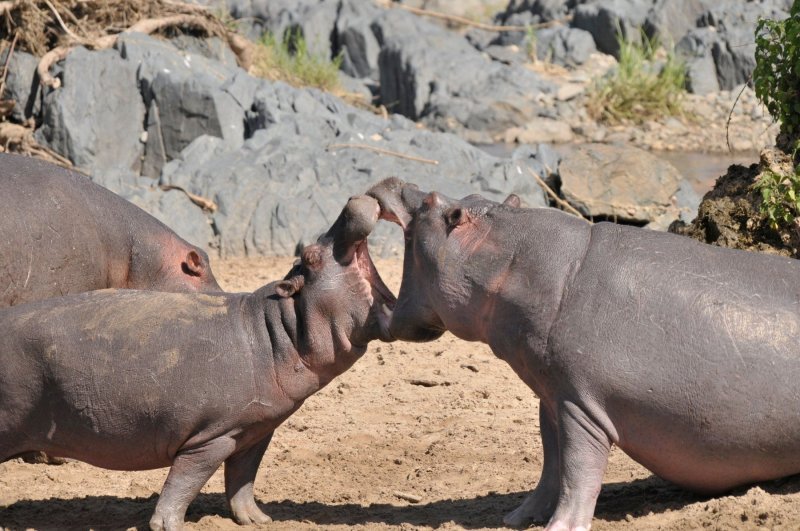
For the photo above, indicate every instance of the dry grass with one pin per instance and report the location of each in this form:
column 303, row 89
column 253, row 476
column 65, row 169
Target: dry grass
column 39, row 29
column 641, row 88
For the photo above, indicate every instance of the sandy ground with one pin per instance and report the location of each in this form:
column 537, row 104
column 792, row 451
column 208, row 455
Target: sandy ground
column 445, row 424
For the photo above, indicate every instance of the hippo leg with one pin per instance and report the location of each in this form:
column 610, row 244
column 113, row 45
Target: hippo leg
column 240, row 473
column 541, row 502
column 190, row 471
column 583, row 454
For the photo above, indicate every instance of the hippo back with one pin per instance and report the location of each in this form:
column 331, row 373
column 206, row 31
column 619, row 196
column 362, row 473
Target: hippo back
column 61, row 233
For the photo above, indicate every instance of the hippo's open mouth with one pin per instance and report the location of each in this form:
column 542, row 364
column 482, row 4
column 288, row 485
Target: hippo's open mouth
column 383, row 301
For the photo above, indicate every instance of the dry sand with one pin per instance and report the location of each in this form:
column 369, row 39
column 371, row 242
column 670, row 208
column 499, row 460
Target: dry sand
column 445, row 424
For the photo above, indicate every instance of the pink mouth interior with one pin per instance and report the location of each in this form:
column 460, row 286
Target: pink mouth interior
column 380, row 292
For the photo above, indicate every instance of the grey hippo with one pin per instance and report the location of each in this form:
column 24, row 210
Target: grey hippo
column 60, row 233
column 684, row 355
column 134, row 380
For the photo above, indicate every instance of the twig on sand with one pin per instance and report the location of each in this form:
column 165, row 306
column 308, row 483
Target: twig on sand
column 413, row 498
column 560, row 202
column 382, row 151
column 468, row 22
column 202, row 202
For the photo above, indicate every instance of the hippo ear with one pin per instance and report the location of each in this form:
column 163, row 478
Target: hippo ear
column 194, row 264
column 456, row 216
column 311, row 257
column 287, row 288
column 512, row 200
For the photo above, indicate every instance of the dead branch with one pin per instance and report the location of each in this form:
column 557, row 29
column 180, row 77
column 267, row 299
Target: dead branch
column 5, row 7
column 61, row 23
column 730, row 114
column 8, row 61
column 202, row 202
column 382, row 151
column 49, row 59
column 560, row 202
column 19, row 139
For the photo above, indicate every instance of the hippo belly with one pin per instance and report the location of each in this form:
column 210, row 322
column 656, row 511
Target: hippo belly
column 109, row 381
column 693, row 359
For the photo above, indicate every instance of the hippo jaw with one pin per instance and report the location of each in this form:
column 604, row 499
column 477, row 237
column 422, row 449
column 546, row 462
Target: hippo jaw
column 383, row 301
column 339, row 284
column 413, row 317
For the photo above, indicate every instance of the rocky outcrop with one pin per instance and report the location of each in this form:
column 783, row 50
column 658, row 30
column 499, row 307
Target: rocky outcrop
column 278, row 162
column 714, row 37
column 424, row 71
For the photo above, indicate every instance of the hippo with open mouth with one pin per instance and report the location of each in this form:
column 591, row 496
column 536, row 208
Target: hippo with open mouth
column 135, row 380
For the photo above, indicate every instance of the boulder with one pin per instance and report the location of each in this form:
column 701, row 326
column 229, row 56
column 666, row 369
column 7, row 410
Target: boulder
column 428, row 73
column 95, row 118
column 187, row 96
column 22, row 85
column 669, row 20
column 543, row 10
column 355, row 40
column 695, row 49
column 624, row 184
column 564, row 46
column 606, row 19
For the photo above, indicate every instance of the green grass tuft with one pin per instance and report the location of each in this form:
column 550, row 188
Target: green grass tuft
column 290, row 61
column 638, row 90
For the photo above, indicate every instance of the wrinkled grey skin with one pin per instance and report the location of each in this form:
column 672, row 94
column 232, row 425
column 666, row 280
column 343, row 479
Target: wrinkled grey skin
column 60, row 233
column 682, row 354
column 134, row 380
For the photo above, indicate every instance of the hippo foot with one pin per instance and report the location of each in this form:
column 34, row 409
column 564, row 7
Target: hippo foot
column 165, row 523
column 249, row 513
column 537, row 507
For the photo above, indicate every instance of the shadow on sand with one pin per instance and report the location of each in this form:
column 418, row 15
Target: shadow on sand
column 617, row 500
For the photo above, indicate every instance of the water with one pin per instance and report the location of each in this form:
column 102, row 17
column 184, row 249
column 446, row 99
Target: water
column 700, row 169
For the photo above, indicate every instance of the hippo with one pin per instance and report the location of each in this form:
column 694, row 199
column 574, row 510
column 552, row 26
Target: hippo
column 60, row 233
column 684, row 355
column 134, row 380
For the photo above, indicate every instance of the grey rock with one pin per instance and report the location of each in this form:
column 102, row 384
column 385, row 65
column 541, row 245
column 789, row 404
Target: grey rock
column 670, row 20
column 210, row 48
column 519, row 38
column 509, row 55
column 289, row 180
column 695, row 49
column 97, row 124
column 564, row 46
column 430, row 74
column 606, row 19
column 172, row 207
column 315, row 20
column 621, row 184
column 355, row 39
column 544, row 10
column 187, row 95
column 22, row 85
